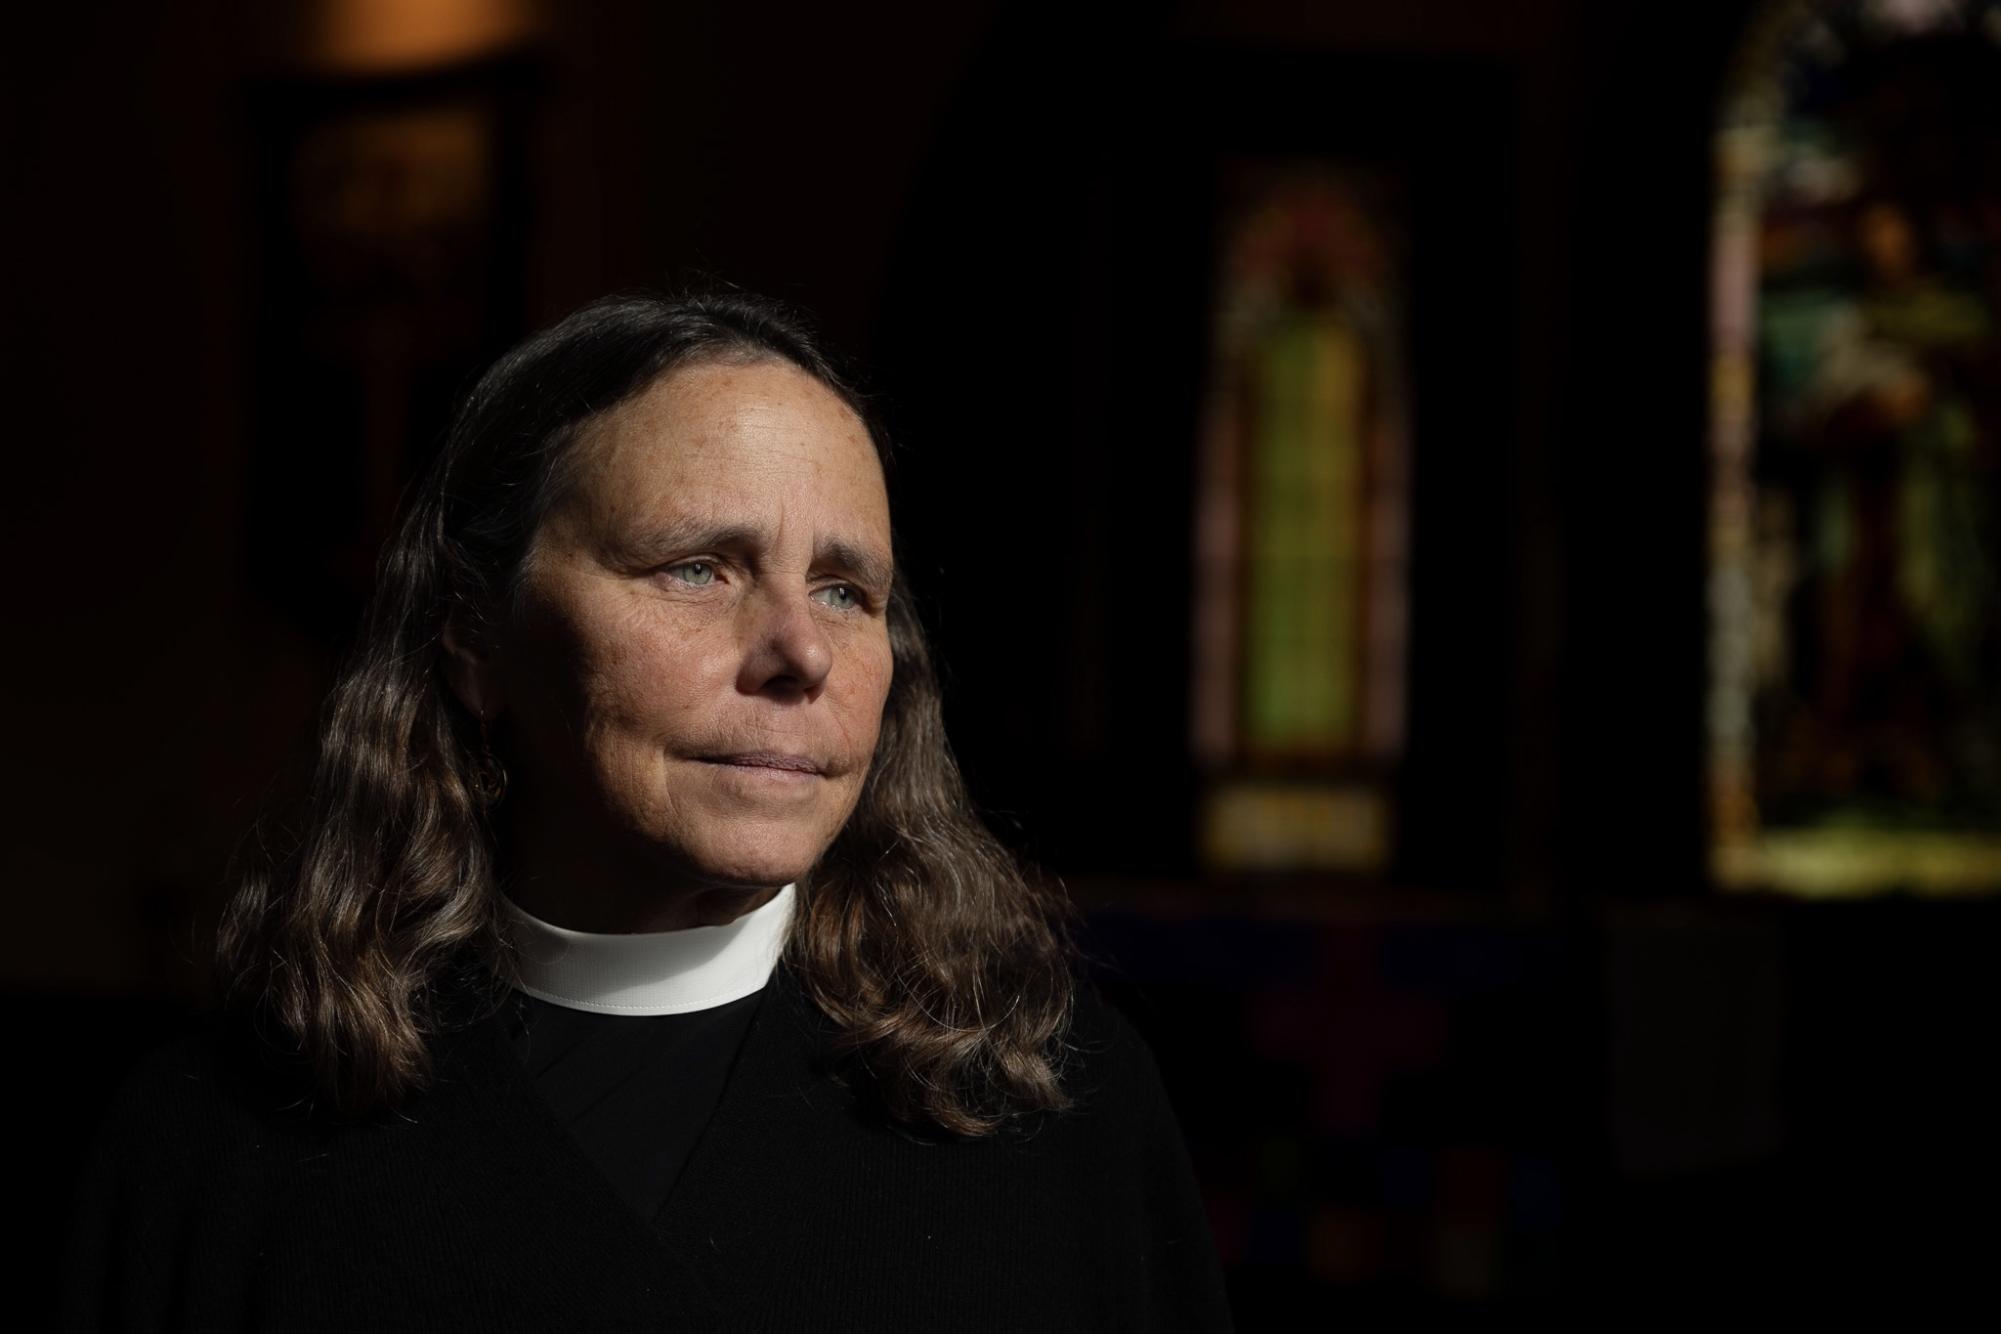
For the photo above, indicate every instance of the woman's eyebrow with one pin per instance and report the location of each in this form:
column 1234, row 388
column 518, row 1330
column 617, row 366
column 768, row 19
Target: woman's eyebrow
column 672, row 537
column 873, row 572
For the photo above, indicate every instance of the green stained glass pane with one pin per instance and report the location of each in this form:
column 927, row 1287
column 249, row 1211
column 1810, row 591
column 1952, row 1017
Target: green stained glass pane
column 1302, row 603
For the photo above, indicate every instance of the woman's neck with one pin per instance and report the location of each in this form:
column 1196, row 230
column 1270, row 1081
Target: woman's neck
column 585, row 885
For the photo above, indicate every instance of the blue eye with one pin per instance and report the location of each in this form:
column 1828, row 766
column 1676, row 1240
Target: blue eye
column 844, row 590
column 707, row 568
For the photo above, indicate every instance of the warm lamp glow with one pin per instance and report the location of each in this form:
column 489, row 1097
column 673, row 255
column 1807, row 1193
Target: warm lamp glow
column 379, row 36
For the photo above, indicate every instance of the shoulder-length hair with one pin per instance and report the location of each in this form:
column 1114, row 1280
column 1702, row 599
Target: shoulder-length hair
column 947, row 970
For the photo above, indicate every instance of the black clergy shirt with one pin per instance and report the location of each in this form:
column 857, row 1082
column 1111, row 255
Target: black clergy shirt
column 635, row 1090
column 696, row 1170
column 630, row 1036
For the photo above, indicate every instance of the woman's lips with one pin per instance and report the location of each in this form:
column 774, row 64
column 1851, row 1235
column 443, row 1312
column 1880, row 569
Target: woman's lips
column 767, row 760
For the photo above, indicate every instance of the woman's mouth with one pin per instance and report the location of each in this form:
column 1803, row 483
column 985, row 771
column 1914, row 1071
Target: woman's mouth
column 768, row 761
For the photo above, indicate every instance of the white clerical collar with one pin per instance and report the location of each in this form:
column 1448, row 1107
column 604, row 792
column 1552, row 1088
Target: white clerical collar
column 650, row 972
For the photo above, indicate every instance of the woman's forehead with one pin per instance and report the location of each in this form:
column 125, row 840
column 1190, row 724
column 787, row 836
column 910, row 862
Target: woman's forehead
column 718, row 439
column 765, row 414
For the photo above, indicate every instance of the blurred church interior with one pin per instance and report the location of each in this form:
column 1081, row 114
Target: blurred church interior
column 1465, row 532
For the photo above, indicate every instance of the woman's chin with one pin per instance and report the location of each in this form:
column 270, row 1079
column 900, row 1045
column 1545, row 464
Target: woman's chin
column 746, row 852
column 748, row 870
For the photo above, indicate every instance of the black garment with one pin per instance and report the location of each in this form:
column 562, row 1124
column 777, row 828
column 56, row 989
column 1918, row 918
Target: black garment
column 210, row 1206
column 635, row 1090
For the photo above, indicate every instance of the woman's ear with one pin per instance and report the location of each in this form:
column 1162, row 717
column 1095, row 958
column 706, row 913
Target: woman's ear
column 470, row 668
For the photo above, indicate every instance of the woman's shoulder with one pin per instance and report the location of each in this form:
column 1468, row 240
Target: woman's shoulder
column 1100, row 1024
column 196, row 1098
column 1099, row 1056
column 1108, row 1064
column 179, row 1072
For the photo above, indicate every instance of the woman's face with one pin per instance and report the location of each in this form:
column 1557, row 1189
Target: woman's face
column 698, row 670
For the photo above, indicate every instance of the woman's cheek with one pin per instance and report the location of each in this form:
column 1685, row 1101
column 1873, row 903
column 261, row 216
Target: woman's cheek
column 868, row 685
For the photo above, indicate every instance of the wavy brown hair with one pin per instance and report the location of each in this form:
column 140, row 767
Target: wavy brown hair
column 948, row 971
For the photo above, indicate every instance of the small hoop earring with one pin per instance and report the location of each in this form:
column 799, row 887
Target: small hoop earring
column 489, row 778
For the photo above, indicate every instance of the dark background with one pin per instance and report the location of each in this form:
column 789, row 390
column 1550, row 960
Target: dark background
column 1542, row 1059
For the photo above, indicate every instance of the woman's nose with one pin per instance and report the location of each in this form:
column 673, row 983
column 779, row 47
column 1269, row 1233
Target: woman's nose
column 788, row 647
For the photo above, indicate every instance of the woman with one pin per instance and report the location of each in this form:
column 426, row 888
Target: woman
column 636, row 961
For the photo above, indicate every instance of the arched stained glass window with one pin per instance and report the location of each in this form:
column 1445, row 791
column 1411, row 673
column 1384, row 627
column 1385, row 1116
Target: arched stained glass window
column 1855, row 517
column 1300, row 543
